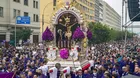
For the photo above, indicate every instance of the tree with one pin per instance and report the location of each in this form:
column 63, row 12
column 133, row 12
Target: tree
column 26, row 34
column 22, row 34
column 101, row 33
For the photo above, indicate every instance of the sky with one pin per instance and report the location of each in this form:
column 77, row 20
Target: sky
column 117, row 5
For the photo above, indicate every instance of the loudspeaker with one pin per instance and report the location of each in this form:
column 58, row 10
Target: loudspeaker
column 134, row 9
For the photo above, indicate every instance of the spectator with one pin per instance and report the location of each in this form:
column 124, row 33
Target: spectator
column 80, row 75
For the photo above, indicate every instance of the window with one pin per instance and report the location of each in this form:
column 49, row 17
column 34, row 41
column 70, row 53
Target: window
column 16, row 13
column 26, row 2
column 17, row 1
column 1, row 11
column 26, row 13
column 36, row 4
column 36, row 18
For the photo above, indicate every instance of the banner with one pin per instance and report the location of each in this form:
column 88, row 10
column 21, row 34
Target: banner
column 7, row 75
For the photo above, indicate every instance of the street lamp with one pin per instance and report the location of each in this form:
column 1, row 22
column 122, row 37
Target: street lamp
column 43, row 16
column 15, row 31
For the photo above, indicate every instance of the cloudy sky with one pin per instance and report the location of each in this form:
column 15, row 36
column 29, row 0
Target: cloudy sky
column 117, row 5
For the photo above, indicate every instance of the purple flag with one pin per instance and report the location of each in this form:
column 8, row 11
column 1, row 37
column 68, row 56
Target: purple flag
column 6, row 75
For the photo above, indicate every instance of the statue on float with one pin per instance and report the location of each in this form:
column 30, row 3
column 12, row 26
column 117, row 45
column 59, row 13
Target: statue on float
column 70, row 40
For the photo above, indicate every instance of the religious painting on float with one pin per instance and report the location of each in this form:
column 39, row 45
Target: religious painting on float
column 67, row 24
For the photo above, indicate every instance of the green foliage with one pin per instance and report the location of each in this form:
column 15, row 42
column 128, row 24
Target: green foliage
column 26, row 34
column 102, row 33
column 22, row 34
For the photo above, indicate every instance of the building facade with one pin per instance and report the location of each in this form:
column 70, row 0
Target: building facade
column 87, row 8
column 10, row 9
column 101, row 11
column 111, row 17
column 97, row 13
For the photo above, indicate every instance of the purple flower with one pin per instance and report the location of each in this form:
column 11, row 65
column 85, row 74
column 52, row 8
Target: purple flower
column 78, row 34
column 47, row 35
column 64, row 53
column 89, row 34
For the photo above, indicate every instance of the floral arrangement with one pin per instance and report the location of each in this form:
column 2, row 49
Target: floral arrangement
column 89, row 34
column 47, row 35
column 64, row 53
column 78, row 34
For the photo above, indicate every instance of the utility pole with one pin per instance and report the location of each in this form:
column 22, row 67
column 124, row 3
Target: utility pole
column 125, row 26
column 122, row 16
column 15, row 30
column 42, row 23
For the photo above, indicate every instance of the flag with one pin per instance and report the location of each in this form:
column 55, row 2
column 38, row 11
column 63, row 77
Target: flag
column 7, row 75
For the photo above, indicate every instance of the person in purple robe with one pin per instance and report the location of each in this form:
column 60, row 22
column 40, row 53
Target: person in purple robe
column 86, row 74
column 132, row 66
column 137, row 72
column 94, row 75
column 30, row 75
column 125, row 71
column 80, row 74
column 117, row 69
column 139, row 61
column 100, row 73
column 110, row 67
column 72, row 74
column 123, row 62
column 106, row 75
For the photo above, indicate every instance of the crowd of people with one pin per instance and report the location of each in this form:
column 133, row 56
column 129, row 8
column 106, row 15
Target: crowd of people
column 109, row 61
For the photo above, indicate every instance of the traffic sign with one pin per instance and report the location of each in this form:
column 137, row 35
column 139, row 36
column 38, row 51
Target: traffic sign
column 23, row 20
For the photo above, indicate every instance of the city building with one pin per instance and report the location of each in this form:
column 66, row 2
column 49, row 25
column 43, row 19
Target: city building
column 97, row 13
column 100, row 11
column 111, row 17
column 86, row 7
column 10, row 9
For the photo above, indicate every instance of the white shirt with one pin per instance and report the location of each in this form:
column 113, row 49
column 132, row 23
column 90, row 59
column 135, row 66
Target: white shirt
column 54, row 73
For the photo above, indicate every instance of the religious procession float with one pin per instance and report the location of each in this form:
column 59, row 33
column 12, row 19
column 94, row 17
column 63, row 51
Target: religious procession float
column 67, row 41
